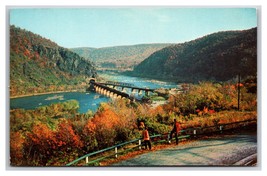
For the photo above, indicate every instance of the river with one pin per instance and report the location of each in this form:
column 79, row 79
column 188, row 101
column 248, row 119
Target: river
column 87, row 100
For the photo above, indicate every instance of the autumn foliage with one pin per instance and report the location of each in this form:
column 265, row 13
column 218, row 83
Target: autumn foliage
column 50, row 136
column 16, row 147
column 56, row 135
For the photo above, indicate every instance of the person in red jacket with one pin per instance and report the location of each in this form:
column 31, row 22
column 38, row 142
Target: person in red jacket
column 146, row 138
column 175, row 130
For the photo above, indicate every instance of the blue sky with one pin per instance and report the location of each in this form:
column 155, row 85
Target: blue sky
column 102, row 27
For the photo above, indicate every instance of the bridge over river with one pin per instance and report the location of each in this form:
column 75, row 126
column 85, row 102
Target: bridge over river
column 117, row 89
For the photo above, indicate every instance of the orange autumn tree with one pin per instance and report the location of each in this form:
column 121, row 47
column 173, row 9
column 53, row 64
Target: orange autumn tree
column 16, row 148
column 45, row 146
column 106, row 121
column 41, row 144
column 110, row 125
column 68, row 143
column 89, row 136
column 128, row 124
column 67, row 140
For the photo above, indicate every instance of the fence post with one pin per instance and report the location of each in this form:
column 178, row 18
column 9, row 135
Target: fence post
column 221, row 128
column 116, row 151
column 86, row 160
column 139, row 144
column 195, row 133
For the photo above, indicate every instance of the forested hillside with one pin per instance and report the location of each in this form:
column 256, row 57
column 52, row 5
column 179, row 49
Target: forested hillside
column 120, row 57
column 220, row 56
column 40, row 65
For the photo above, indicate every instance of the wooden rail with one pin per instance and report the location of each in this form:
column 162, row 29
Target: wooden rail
column 162, row 138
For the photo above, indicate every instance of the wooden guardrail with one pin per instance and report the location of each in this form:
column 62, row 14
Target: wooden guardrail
column 190, row 132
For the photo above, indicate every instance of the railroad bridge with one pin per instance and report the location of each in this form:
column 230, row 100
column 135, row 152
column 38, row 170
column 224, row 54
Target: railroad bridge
column 117, row 89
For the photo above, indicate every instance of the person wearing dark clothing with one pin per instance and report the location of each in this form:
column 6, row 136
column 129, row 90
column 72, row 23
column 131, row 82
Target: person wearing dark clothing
column 146, row 139
column 175, row 130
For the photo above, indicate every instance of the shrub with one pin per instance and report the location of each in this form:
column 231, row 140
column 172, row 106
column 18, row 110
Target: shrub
column 210, row 96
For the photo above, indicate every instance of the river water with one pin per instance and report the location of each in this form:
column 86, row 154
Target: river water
column 87, row 100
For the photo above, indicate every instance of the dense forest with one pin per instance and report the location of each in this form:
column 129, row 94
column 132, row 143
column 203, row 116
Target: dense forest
column 119, row 57
column 40, row 65
column 219, row 56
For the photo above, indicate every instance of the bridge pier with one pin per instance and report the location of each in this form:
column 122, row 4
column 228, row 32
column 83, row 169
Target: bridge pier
column 108, row 93
column 123, row 89
column 96, row 88
column 112, row 95
column 101, row 91
column 115, row 96
column 133, row 91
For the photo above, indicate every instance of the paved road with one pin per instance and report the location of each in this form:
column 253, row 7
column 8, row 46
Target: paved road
column 227, row 150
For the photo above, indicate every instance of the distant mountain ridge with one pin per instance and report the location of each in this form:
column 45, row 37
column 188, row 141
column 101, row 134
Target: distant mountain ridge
column 83, row 51
column 219, row 56
column 40, row 65
column 119, row 56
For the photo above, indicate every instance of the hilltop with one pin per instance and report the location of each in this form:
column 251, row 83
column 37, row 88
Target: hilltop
column 39, row 65
column 119, row 57
column 219, row 56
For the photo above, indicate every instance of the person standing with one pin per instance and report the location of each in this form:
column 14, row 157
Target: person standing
column 175, row 130
column 146, row 138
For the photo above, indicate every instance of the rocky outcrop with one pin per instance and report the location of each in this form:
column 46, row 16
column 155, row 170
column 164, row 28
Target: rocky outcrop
column 37, row 64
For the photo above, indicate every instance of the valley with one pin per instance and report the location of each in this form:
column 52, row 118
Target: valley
column 195, row 82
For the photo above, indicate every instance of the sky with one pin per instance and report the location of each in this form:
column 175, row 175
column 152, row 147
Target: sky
column 102, row 27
